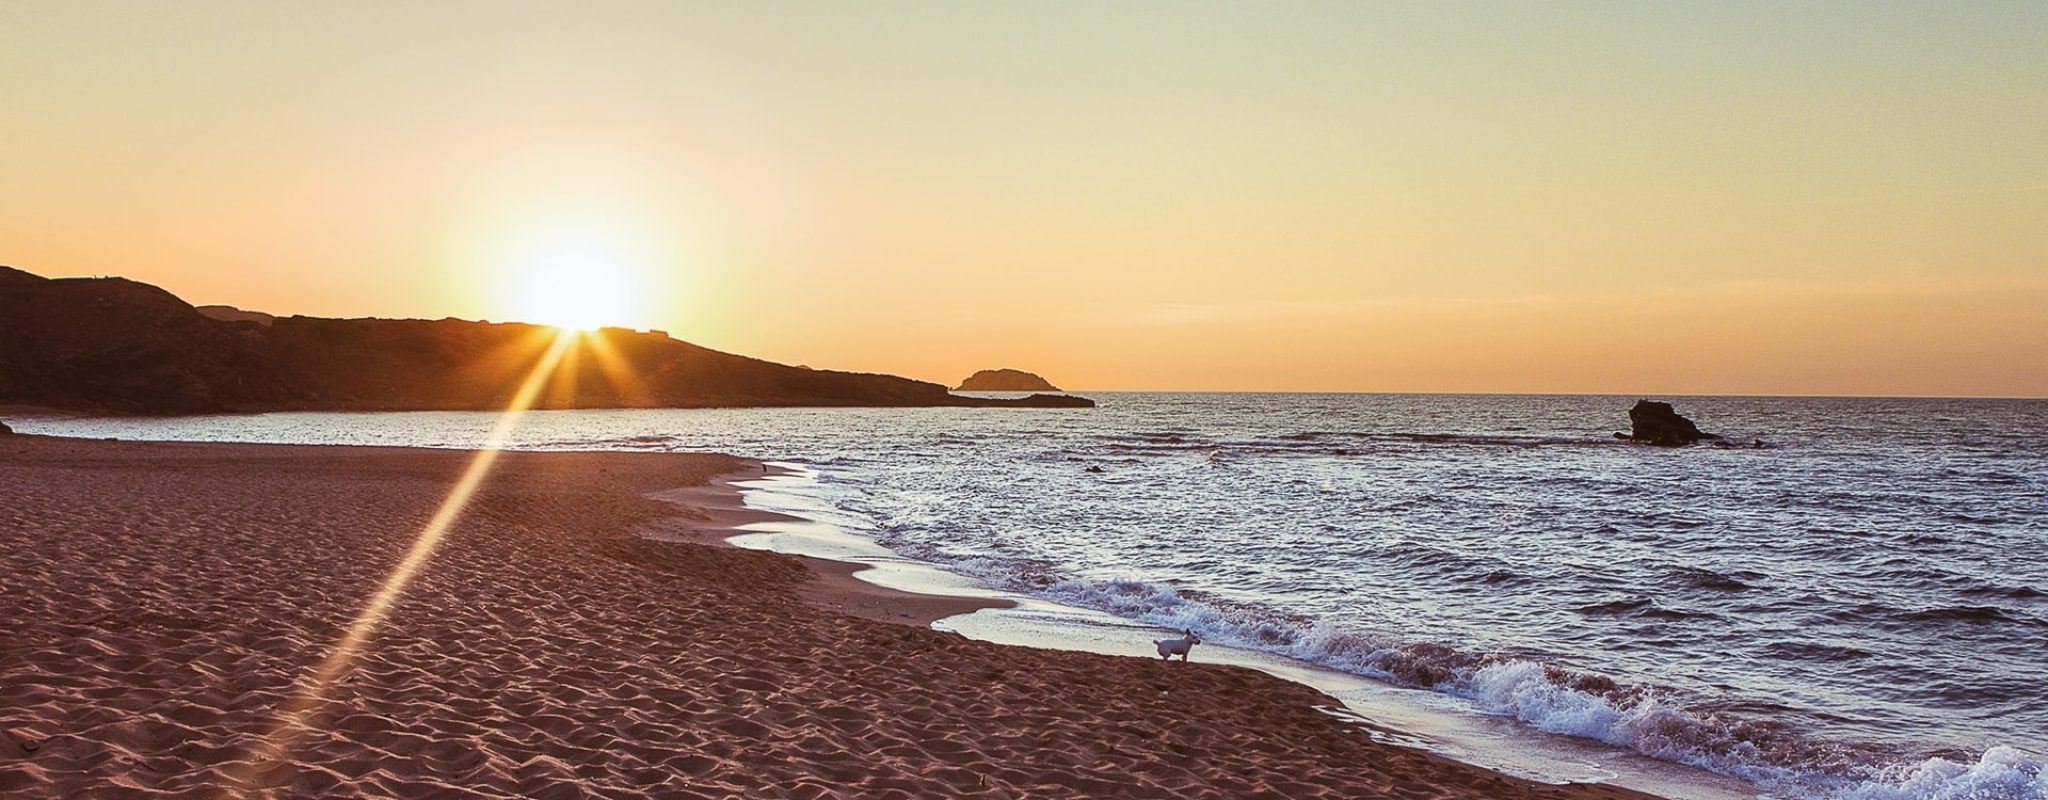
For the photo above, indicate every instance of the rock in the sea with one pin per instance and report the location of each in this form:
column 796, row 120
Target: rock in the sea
column 1005, row 380
column 1656, row 423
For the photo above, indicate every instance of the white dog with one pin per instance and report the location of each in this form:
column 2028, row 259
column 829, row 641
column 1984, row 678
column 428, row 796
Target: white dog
column 1168, row 648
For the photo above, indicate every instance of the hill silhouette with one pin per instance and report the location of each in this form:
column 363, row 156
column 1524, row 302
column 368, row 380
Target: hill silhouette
column 121, row 346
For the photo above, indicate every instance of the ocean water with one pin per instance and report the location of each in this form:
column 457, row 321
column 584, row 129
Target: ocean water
column 1858, row 608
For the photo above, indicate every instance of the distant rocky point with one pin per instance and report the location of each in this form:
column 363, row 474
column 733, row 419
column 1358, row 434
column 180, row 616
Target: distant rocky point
column 112, row 345
column 1005, row 380
column 1655, row 423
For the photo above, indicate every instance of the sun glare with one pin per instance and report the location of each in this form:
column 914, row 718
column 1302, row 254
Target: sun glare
column 579, row 280
column 299, row 715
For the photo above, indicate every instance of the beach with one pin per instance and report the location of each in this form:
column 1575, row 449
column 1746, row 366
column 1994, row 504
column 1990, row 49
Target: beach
column 578, row 633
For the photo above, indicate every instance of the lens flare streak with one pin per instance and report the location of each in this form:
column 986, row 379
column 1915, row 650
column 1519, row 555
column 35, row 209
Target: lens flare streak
column 297, row 717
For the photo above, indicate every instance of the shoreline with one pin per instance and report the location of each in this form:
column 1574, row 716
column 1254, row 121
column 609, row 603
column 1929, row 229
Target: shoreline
column 716, row 513
column 1404, row 716
column 164, row 600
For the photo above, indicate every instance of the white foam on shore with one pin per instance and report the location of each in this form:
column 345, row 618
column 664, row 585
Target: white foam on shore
column 1124, row 618
column 1510, row 716
column 1646, row 727
column 2002, row 773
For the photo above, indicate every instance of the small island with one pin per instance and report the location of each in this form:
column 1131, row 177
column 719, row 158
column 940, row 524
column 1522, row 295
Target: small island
column 1006, row 380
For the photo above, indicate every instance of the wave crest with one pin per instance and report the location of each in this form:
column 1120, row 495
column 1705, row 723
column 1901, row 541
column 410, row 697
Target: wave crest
column 1650, row 720
column 2002, row 773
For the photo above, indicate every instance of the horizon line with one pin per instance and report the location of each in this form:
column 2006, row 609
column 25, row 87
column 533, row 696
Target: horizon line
column 1644, row 395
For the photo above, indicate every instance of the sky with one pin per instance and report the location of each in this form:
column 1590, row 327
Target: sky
column 1627, row 197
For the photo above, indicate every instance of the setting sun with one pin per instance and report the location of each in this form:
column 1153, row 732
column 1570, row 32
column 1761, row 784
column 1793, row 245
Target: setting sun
column 581, row 280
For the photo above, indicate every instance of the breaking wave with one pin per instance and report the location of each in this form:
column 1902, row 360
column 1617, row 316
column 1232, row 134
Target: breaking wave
column 1658, row 722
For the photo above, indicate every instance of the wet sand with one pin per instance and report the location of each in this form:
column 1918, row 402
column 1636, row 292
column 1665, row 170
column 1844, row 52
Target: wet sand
column 160, row 604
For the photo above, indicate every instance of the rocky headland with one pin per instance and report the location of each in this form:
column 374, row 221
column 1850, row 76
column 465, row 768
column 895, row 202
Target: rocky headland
column 112, row 345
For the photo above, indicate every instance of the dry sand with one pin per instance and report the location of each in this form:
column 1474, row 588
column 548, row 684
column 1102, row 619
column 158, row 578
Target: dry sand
column 158, row 602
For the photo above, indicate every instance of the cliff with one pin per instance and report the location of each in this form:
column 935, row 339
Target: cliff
column 1005, row 380
column 116, row 345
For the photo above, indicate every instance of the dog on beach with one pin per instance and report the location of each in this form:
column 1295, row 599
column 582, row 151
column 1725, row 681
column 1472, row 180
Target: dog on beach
column 1168, row 648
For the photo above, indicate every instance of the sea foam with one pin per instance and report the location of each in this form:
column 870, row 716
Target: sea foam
column 1645, row 720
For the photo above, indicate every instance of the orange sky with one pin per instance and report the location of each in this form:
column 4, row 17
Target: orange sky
column 1826, row 199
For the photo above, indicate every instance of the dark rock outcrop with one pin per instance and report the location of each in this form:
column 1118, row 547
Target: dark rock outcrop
column 1655, row 423
column 1005, row 380
column 115, row 345
column 233, row 314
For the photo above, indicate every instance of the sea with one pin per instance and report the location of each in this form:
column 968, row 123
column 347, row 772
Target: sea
column 1847, row 599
